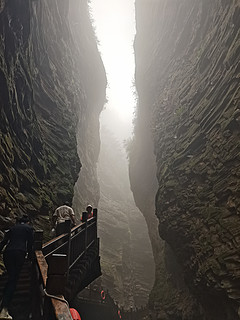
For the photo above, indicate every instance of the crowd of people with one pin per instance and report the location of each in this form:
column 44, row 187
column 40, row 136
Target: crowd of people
column 17, row 246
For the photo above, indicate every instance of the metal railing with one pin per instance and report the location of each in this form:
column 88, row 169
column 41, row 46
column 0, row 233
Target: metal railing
column 71, row 245
column 74, row 243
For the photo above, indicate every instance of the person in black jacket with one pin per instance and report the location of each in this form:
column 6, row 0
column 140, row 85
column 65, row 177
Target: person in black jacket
column 18, row 243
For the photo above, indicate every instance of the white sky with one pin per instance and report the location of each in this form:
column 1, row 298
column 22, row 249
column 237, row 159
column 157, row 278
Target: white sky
column 115, row 29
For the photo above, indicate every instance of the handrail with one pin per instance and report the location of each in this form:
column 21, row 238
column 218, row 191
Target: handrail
column 50, row 242
column 71, row 266
column 73, row 245
column 61, row 309
column 47, row 247
column 81, row 241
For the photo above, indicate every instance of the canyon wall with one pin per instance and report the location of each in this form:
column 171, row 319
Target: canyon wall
column 51, row 80
column 94, row 82
column 187, row 80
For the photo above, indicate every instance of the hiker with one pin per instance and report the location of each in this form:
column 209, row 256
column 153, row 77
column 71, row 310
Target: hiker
column 88, row 213
column 89, row 210
column 17, row 243
column 62, row 214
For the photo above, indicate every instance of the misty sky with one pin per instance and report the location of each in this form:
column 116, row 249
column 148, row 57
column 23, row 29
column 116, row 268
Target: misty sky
column 114, row 21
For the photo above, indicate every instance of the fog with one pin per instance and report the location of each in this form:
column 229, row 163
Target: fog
column 126, row 254
column 125, row 250
column 114, row 21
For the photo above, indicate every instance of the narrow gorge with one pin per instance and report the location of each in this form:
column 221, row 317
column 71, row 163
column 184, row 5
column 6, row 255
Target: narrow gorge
column 184, row 155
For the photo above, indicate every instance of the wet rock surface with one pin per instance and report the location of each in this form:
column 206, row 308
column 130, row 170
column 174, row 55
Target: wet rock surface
column 187, row 78
column 44, row 80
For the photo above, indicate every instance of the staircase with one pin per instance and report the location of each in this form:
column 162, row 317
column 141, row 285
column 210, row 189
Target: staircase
column 20, row 307
column 37, row 287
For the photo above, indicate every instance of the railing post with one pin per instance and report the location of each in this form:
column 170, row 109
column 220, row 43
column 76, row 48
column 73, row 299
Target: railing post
column 84, row 216
column 38, row 239
column 84, row 219
column 95, row 214
column 86, row 234
column 57, row 271
column 67, row 228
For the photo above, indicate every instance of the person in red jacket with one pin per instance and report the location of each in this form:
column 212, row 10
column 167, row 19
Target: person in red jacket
column 89, row 210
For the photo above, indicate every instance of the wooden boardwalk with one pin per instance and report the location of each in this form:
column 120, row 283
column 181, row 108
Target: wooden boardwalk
column 61, row 268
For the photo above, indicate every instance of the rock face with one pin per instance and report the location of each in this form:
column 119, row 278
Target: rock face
column 187, row 79
column 45, row 99
column 93, row 79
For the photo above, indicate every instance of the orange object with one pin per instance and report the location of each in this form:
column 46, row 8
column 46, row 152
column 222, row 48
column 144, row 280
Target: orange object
column 75, row 315
column 103, row 295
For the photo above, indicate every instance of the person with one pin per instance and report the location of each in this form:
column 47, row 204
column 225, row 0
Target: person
column 89, row 210
column 61, row 214
column 17, row 243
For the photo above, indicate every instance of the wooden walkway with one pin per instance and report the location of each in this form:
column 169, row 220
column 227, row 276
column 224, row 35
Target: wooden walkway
column 62, row 267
